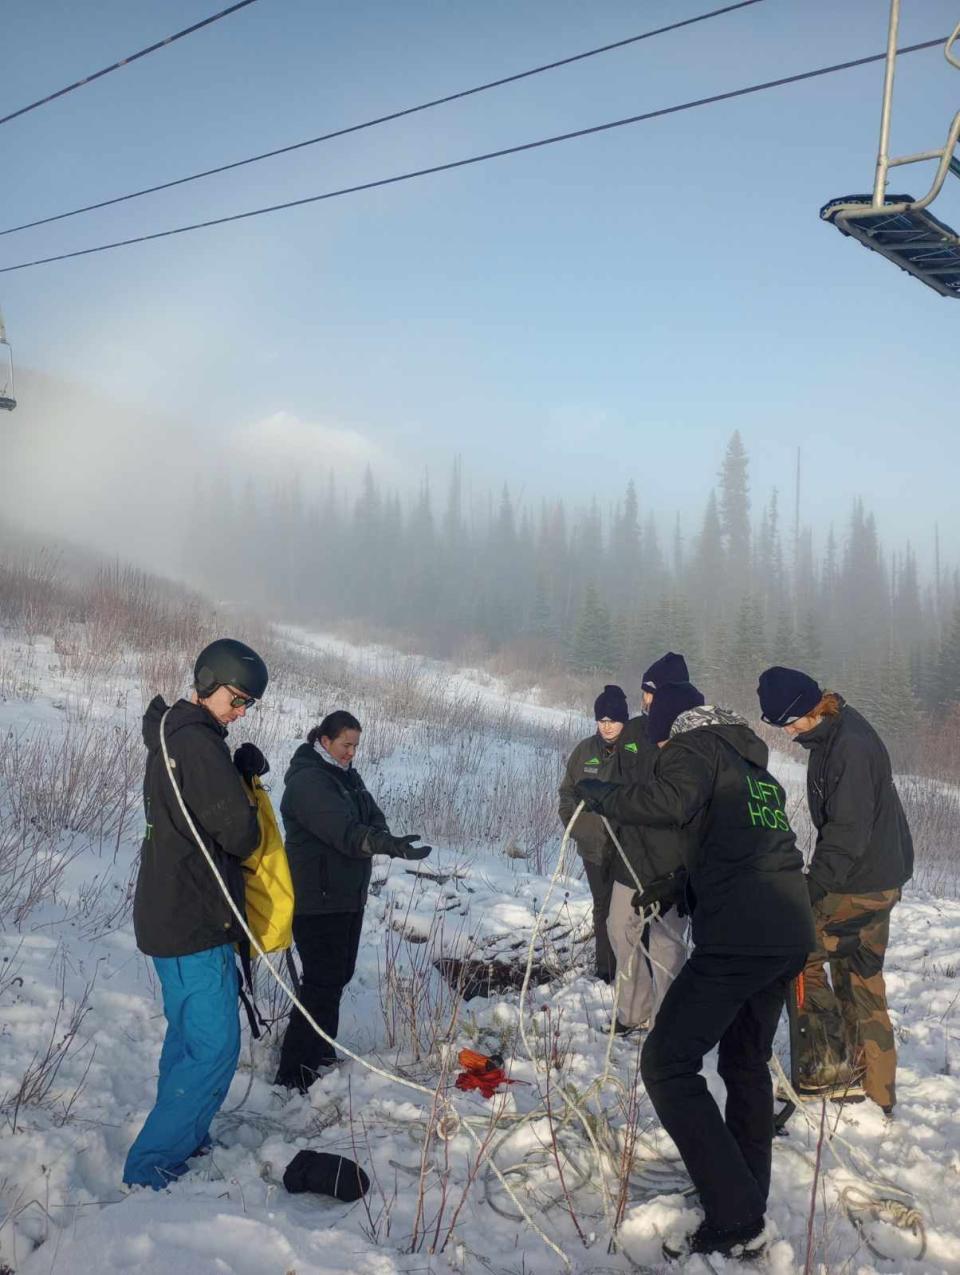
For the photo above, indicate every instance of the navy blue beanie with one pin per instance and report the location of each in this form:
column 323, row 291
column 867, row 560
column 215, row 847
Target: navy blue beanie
column 668, row 703
column 612, row 703
column 669, row 668
column 786, row 694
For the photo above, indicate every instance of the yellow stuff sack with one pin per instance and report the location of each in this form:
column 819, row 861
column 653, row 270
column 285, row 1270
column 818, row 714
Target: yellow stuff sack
column 268, row 885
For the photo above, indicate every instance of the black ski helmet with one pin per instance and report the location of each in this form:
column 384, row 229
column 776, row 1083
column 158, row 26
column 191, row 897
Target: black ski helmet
column 228, row 662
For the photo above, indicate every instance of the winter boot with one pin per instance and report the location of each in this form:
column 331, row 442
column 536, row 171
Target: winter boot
column 743, row 1243
column 628, row 1029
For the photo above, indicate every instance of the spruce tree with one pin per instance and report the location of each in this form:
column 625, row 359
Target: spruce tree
column 809, row 644
column 734, row 510
column 593, row 640
column 948, row 667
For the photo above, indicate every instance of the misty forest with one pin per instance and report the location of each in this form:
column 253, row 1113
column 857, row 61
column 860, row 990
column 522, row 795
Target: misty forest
column 479, row 638
column 598, row 590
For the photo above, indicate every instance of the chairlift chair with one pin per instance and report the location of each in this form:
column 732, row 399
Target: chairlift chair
column 900, row 227
column 7, row 399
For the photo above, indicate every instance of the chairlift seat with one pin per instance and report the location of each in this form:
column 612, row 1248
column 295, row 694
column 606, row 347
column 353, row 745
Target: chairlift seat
column 7, row 404
column 914, row 240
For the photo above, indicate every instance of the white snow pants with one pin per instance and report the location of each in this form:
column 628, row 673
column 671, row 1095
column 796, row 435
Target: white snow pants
column 643, row 985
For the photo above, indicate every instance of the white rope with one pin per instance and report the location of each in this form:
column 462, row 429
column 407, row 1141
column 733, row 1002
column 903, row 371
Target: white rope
column 433, row 1094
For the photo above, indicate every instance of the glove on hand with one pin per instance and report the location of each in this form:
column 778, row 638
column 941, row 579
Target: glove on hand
column 404, row 849
column 816, row 892
column 667, row 891
column 250, row 761
column 593, row 792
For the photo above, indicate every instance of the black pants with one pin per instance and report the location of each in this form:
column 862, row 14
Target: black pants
column 734, row 1001
column 600, row 880
column 327, row 945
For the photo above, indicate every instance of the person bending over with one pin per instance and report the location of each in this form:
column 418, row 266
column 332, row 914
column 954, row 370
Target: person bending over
column 752, row 930
column 863, row 855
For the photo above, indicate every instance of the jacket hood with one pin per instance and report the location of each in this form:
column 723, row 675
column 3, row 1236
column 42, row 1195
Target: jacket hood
column 182, row 713
column 731, row 728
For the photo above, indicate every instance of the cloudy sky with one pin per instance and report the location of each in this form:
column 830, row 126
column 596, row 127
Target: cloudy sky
column 607, row 308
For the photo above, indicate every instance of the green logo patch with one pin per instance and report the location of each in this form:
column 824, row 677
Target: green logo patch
column 630, row 748
column 592, row 761
column 766, row 808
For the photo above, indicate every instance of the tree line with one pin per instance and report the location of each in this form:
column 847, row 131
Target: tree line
column 600, row 592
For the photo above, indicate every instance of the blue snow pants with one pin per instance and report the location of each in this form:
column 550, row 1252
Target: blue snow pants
column 197, row 1063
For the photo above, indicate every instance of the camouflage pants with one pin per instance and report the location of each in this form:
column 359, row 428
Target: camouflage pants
column 846, row 1026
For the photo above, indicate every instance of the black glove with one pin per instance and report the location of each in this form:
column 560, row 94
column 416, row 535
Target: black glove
column 816, row 892
column 593, row 792
column 404, row 849
column 668, row 891
column 250, row 761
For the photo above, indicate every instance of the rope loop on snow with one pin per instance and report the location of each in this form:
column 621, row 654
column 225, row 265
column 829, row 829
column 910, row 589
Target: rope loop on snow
column 859, row 1205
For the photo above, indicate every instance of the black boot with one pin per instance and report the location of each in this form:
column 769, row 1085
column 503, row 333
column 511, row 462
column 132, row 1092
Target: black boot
column 745, row 1243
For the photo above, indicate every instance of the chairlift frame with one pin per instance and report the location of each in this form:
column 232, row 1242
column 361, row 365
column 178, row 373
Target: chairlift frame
column 8, row 400
column 899, row 227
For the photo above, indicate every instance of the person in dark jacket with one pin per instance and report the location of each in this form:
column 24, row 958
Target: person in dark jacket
column 670, row 669
column 602, row 755
column 752, row 929
column 333, row 829
column 649, row 954
column 181, row 916
column 862, row 857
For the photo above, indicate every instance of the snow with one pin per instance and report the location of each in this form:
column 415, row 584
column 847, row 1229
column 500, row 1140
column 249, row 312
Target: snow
column 71, row 966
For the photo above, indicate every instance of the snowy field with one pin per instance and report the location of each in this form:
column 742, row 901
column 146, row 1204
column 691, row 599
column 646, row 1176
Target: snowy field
column 450, row 754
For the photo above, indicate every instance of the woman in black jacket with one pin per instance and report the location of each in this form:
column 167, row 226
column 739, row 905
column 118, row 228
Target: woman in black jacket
column 863, row 855
column 333, row 829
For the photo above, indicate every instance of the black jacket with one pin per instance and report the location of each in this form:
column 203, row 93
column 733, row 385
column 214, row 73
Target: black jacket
column 746, row 888
column 327, row 817
column 179, row 908
column 863, row 841
column 623, row 761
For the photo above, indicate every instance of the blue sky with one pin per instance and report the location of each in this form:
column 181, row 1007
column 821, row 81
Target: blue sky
column 607, row 308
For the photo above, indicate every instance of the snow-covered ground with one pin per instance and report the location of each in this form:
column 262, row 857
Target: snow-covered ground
column 81, row 1025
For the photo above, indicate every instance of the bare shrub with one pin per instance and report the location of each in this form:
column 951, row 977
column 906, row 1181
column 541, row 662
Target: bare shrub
column 37, row 1088
column 420, row 1009
column 59, row 797
column 32, row 593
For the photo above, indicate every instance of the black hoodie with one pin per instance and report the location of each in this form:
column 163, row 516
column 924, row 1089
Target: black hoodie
column 179, row 906
column 746, row 885
column 328, row 818
column 863, row 841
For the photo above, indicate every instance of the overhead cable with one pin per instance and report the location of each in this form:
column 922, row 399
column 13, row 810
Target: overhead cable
column 133, row 57
column 479, row 159
column 381, row 119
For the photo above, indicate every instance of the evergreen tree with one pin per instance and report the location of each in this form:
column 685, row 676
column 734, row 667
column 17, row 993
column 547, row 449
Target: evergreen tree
column 948, row 667
column 809, row 645
column 748, row 650
column 784, row 648
column 734, row 511
column 624, row 575
column 593, row 646
column 895, row 711
column 707, row 569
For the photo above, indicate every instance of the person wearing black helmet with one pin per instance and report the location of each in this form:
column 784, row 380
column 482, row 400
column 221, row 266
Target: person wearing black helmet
column 180, row 915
